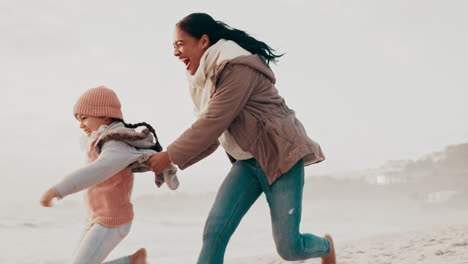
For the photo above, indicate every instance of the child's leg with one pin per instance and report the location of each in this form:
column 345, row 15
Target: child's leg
column 82, row 236
column 98, row 242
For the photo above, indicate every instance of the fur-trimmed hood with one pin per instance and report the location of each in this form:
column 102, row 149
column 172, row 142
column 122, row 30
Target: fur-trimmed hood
column 143, row 141
column 118, row 131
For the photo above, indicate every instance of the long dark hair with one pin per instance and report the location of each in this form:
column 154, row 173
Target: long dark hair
column 157, row 146
column 198, row 24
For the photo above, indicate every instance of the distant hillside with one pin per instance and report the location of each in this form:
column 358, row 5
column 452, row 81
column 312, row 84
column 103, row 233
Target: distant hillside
column 436, row 178
column 453, row 160
column 447, row 168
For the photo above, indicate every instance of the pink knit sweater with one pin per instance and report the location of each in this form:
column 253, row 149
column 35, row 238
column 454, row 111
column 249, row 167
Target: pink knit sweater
column 109, row 201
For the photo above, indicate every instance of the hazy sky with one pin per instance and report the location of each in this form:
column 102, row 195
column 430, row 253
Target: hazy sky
column 370, row 80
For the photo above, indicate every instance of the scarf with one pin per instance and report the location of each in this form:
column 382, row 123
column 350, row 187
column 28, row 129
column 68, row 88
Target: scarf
column 200, row 83
column 201, row 87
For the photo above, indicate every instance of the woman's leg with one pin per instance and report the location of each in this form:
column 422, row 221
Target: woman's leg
column 239, row 190
column 98, row 242
column 285, row 201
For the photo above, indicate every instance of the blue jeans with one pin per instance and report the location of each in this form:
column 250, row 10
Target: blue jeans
column 239, row 190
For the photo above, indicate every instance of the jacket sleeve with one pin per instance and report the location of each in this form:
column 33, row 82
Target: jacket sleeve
column 115, row 156
column 205, row 153
column 234, row 86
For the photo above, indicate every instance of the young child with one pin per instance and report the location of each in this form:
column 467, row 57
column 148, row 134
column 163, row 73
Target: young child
column 115, row 150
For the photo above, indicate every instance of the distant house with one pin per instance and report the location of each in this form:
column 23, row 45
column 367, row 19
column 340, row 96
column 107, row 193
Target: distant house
column 385, row 178
column 440, row 197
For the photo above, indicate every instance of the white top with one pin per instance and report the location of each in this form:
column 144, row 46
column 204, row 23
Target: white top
column 230, row 145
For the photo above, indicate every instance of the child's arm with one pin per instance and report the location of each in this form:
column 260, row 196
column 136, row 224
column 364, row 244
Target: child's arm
column 47, row 197
column 115, row 156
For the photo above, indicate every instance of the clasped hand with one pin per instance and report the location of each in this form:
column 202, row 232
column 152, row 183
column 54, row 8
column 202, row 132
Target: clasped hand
column 159, row 162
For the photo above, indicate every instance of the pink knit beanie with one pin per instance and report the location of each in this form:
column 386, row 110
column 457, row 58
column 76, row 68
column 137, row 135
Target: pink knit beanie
column 100, row 102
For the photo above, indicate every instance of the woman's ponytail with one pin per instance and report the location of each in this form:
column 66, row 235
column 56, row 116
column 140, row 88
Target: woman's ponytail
column 198, row 24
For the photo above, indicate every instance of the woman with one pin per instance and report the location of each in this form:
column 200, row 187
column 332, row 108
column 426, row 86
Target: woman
column 239, row 108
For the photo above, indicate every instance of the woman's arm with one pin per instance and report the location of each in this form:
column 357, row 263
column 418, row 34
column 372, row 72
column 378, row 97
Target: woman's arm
column 161, row 160
column 235, row 85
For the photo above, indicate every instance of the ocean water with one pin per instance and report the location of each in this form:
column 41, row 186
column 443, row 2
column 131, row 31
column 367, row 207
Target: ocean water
column 170, row 226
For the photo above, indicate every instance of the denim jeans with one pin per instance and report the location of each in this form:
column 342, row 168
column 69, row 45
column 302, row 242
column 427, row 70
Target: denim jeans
column 97, row 242
column 239, row 190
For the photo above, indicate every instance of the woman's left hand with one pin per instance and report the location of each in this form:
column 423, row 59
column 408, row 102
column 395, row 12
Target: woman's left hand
column 159, row 161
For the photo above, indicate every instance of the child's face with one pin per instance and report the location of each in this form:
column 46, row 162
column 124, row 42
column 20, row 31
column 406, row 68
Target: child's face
column 92, row 123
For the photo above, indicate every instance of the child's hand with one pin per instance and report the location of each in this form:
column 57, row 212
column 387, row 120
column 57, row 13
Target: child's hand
column 47, row 197
column 159, row 162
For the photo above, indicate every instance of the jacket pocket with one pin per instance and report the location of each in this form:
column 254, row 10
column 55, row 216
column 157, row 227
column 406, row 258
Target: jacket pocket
column 283, row 127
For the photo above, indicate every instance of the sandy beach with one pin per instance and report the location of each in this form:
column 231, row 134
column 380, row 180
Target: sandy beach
column 445, row 244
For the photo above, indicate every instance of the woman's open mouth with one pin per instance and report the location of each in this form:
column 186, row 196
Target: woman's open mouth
column 186, row 61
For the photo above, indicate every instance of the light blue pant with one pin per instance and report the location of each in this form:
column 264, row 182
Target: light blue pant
column 239, row 190
column 98, row 241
